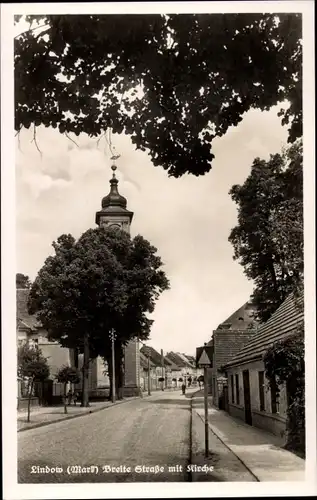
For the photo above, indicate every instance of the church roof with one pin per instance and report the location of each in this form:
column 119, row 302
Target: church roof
column 113, row 203
column 23, row 318
column 281, row 324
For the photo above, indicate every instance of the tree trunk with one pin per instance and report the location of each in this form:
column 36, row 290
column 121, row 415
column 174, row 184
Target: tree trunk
column 29, row 400
column 65, row 397
column 85, row 370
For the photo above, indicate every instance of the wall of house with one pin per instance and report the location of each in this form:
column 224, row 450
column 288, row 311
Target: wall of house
column 131, row 369
column 56, row 355
column 154, row 376
column 103, row 380
column 262, row 418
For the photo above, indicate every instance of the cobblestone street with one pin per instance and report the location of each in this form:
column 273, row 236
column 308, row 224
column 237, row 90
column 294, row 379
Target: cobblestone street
column 148, row 432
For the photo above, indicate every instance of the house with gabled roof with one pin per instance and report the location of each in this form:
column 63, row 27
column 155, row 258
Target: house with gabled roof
column 29, row 330
column 186, row 365
column 227, row 340
column 161, row 367
column 148, row 370
column 249, row 394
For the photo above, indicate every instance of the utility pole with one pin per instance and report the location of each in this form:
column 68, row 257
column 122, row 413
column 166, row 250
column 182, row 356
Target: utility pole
column 113, row 383
column 148, row 375
column 205, row 363
column 206, row 412
column 163, row 374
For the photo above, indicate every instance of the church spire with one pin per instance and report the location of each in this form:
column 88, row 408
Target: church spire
column 114, row 199
column 114, row 206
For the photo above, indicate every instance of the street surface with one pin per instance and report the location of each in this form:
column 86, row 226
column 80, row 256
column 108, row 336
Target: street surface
column 145, row 440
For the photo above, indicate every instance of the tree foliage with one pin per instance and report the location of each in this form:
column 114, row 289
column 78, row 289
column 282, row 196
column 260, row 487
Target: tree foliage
column 33, row 366
column 285, row 364
column 268, row 239
column 67, row 374
column 22, row 281
column 173, row 83
column 103, row 281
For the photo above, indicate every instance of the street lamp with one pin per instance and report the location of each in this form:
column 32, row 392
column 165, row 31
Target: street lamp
column 113, row 382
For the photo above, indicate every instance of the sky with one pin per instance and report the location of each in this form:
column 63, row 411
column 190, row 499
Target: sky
column 188, row 219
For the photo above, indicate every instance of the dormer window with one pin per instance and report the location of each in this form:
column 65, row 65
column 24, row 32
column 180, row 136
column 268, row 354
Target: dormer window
column 225, row 326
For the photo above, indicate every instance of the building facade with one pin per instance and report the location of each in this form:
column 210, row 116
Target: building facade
column 186, row 367
column 227, row 340
column 30, row 331
column 249, row 394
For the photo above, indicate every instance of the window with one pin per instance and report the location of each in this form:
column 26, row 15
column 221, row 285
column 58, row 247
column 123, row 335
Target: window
column 261, row 390
column 237, row 390
column 274, row 397
column 232, row 389
column 76, row 358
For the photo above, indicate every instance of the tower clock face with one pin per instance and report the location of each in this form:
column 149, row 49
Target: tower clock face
column 114, row 226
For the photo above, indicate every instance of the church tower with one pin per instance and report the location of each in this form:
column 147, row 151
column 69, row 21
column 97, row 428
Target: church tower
column 114, row 214
column 114, row 211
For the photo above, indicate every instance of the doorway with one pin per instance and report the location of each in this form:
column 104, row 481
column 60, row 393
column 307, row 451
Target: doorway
column 247, row 397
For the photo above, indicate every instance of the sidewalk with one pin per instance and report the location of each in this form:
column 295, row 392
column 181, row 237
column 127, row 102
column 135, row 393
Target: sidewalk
column 259, row 451
column 41, row 416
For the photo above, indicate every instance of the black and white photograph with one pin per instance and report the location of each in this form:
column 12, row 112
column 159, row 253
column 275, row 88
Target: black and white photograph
column 158, row 247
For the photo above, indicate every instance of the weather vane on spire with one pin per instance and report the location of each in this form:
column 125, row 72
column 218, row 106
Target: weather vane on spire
column 114, row 168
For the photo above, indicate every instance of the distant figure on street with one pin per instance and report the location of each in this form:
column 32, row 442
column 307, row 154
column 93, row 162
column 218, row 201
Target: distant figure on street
column 183, row 388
